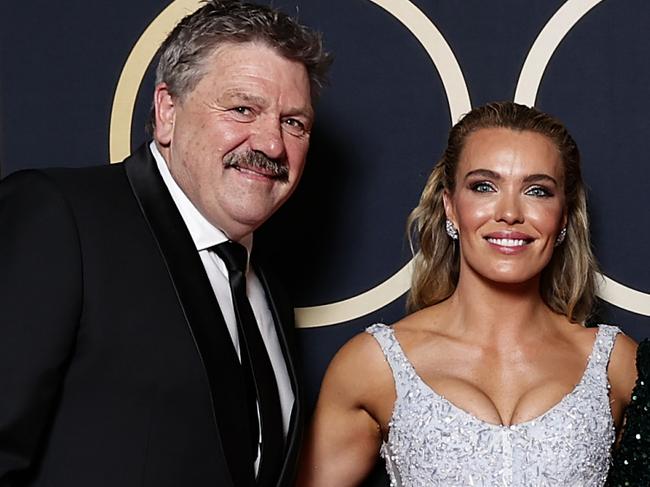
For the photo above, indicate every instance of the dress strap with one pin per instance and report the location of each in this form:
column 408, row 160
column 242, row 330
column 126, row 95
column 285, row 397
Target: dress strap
column 403, row 372
column 389, row 346
column 600, row 355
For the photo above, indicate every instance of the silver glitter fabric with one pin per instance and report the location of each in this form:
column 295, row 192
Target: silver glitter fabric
column 431, row 442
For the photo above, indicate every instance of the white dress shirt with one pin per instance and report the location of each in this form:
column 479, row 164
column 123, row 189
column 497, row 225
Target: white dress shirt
column 205, row 235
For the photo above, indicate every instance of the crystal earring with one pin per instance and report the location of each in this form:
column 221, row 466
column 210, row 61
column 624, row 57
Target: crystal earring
column 452, row 231
column 560, row 237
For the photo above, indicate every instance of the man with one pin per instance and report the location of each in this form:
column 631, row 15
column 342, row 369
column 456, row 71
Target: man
column 137, row 346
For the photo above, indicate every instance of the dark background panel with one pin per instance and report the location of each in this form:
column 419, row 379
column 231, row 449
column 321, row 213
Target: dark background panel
column 381, row 126
column 597, row 83
column 61, row 65
column 490, row 39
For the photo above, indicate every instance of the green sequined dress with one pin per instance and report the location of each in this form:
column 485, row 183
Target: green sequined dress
column 631, row 465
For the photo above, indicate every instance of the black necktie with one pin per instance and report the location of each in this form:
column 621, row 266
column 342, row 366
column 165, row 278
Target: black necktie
column 258, row 371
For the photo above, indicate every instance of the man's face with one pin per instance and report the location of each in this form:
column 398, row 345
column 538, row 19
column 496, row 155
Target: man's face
column 236, row 144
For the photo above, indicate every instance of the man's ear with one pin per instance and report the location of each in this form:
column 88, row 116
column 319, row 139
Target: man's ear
column 164, row 113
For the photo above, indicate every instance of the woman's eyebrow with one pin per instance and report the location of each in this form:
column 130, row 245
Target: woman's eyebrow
column 486, row 173
column 532, row 178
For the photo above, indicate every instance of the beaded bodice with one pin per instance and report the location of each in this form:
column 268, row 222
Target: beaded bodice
column 431, row 442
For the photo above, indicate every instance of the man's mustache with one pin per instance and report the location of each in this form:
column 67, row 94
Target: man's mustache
column 277, row 169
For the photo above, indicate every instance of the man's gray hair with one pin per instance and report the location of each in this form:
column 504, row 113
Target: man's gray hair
column 181, row 56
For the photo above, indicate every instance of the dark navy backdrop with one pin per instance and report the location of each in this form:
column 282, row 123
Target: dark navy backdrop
column 381, row 126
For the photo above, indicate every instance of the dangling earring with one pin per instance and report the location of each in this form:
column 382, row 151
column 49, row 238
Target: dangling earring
column 452, row 231
column 560, row 237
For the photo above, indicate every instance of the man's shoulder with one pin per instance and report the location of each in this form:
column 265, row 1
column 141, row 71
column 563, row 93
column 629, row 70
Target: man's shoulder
column 89, row 179
column 51, row 177
column 45, row 196
column 84, row 178
column 102, row 189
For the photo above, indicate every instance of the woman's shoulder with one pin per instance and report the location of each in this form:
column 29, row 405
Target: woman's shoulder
column 359, row 375
column 360, row 359
column 623, row 354
column 360, row 348
column 621, row 370
column 371, row 345
column 623, row 348
column 366, row 351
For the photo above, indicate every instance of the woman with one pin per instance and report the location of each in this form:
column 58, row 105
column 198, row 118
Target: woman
column 493, row 379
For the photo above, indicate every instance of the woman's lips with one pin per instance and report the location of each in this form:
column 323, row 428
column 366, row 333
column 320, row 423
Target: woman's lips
column 507, row 242
column 510, row 242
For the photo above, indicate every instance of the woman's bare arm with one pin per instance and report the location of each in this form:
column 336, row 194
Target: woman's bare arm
column 343, row 443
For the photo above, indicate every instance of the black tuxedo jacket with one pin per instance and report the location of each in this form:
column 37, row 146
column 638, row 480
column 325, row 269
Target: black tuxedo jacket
column 116, row 367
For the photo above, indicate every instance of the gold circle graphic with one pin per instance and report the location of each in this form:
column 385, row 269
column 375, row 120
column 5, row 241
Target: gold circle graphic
column 404, row 11
column 530, row 78
column 133, row 71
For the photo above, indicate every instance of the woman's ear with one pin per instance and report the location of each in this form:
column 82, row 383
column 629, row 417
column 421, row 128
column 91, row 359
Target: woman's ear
column 447, row 201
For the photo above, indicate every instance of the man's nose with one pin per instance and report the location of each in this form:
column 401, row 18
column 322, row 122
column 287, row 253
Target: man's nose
column 509, row 208
column 267, row 138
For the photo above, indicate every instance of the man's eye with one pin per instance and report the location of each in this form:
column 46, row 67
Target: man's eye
column 482, row 187
column 242, row 111
column 539, row 191
column 294, row 126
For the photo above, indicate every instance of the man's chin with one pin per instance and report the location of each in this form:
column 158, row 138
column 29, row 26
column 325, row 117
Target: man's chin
column 246, row 220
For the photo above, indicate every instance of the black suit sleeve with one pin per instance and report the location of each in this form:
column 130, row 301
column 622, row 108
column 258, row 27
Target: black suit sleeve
column 40, row 307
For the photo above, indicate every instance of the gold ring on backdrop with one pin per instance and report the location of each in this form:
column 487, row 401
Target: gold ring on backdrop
column 133, row 72
column 530, row 78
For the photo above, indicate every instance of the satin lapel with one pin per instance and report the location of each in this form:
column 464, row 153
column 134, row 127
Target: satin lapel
column 202, row 313
column 284, row 323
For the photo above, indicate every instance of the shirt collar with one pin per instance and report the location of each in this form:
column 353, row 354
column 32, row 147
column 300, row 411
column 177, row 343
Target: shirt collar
column 203, row 233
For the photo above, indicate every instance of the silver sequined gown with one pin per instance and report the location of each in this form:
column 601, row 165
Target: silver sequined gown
column 431, row 442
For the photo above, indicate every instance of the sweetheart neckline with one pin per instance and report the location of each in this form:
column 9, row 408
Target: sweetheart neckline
column 500, row 426
column 513, row 426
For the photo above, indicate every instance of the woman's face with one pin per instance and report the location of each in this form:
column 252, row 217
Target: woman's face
column 508, row 204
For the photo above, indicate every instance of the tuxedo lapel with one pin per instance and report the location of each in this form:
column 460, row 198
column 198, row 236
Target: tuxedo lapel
column 284, row 324
column 204, row 318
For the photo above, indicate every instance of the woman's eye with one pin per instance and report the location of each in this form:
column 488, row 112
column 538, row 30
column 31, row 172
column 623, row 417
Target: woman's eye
column 539, row 191
column 482, row 187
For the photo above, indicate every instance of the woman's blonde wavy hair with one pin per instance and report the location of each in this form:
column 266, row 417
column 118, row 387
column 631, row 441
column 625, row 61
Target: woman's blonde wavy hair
column 568, row 282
